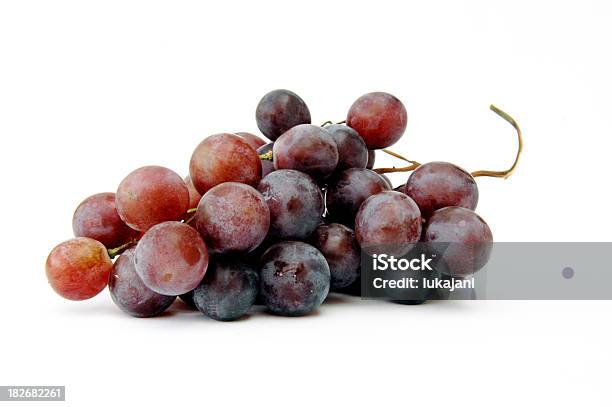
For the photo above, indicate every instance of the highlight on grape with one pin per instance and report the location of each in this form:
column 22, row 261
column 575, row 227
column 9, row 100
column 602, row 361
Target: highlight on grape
column 278, row 220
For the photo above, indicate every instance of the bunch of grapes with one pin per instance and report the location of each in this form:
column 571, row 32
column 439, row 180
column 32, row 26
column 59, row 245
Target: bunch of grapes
column 280, row 222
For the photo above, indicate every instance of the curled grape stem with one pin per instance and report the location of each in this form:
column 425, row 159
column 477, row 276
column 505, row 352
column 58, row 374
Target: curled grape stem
column 401, row 157
column 509, row 171
column 266, row 157
column 112, row 253
column 327, row 123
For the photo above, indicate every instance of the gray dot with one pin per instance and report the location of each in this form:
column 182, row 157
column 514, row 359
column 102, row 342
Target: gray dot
column 567, row 272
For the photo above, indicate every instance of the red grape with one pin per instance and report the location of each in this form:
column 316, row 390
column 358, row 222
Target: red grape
column 267, row 166
column 280, row 110
column 439, row 184
column 352, row 150
column 150, row 195
column 348, row 189
column 251, row 139
column 295, row 201
column 462, row 237
column 307, row 148
column 78, row 269
column 388, row 222
column 232, row 217
column 130, row 294
column 194, row 195
column 222, row 158
column 341, row 250
column 96, row 217
column 378, row 117
column 171, row 258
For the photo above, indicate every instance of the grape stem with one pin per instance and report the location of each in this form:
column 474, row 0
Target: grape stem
column 413, row 164
column 330, row 122
column 192, row 217
column 509, row 171
column 411, row 167
column 266, row 157
column 112, row 253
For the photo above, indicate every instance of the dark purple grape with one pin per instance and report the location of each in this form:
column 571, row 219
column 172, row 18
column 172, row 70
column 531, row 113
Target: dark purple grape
column 371, row 159
column 97, row 218
column 341, row 250
column 400, row 188
column 130, row 294
column 352, row 151
column 348, row 189
column 251, row 139
column 232, row 217
column 187, row 298
column 295, row 201
column 267, row 166
column 295, row 278
column 438, row 184
column 280, row 110
column 388, row 222
column 171, row 258
column 194, row 195
column 462, row 237
column 307, row 148
column 151, row 195
column 78, row 269
column 378, row 117
column 228, row 290
column 222, row 158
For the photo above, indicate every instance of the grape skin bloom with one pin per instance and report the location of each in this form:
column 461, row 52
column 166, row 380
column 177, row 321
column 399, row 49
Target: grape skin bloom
column 171, row 258
column 233, row 218
column 295, row 201
column 228, row 291
column 295, row 278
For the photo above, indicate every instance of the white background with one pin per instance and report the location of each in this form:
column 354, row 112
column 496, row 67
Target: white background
column 92, row 90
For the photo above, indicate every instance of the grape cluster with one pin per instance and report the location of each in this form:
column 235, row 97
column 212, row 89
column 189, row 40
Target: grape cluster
column 280, row 222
